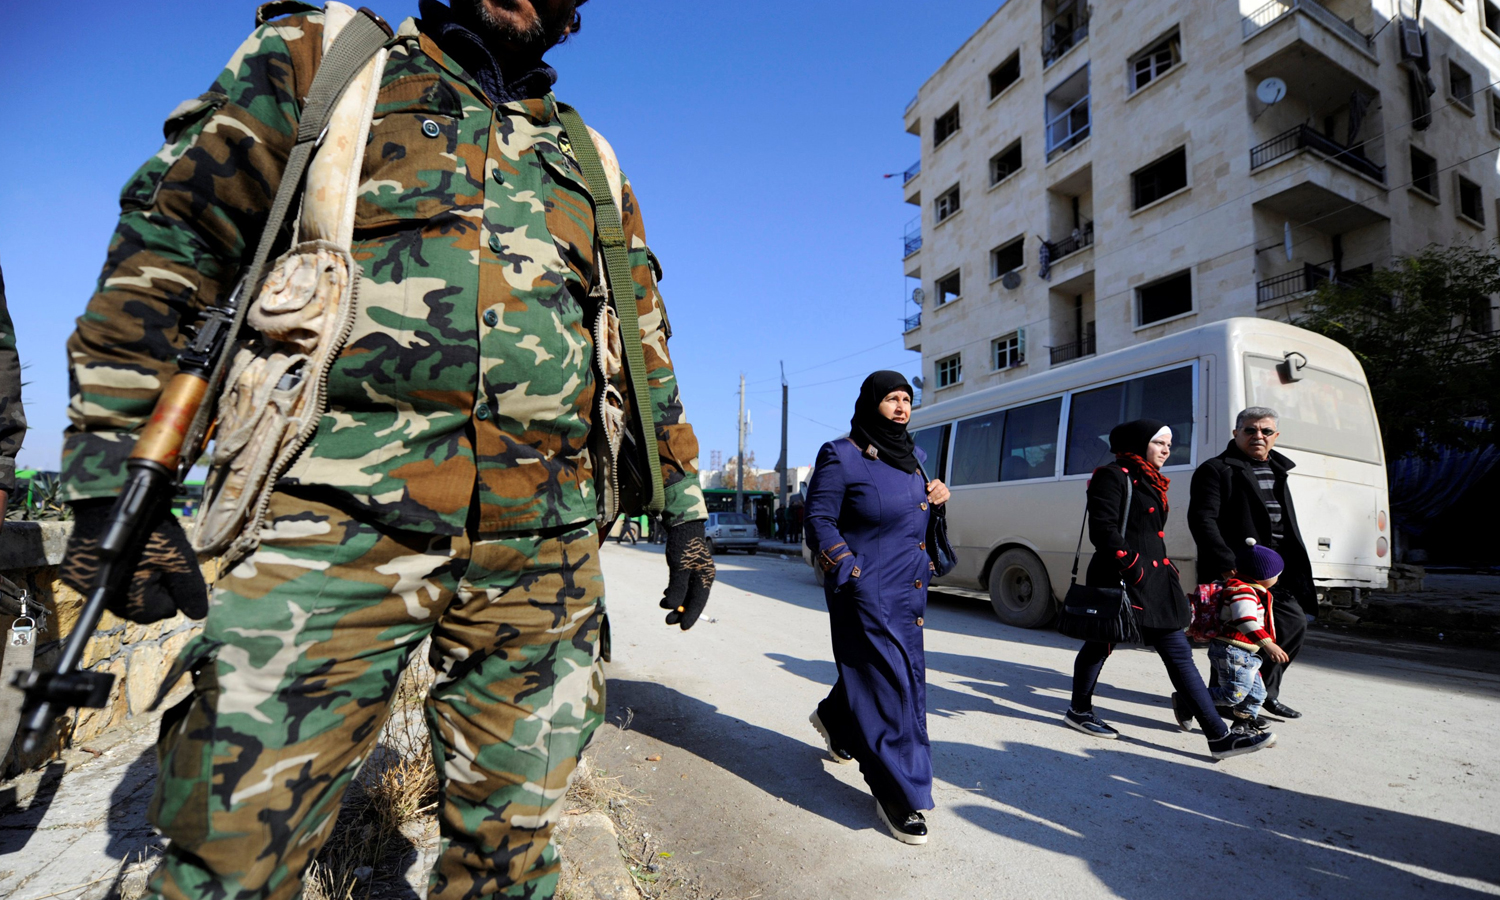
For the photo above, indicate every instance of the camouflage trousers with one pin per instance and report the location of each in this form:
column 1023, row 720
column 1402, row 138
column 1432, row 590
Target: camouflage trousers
column 303, row 648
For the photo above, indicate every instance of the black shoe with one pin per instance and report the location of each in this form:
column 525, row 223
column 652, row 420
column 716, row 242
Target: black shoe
column 1181, row 712
column 839, row 754
column 907, row 827
column 1281, row 710
column 1239, row 742
column 1238, row 718
column 1088, row 723
column 1250, row 726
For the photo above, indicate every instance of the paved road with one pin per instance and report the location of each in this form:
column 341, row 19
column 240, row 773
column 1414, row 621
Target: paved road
column 1386, row 789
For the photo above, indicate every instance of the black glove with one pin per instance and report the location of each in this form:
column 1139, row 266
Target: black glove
column 692, row 568
column 166, row 581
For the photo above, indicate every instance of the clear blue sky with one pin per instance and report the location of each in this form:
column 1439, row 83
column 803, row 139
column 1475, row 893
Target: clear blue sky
column 755, row 134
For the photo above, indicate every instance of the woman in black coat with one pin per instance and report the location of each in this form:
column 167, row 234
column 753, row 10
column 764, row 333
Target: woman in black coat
column 1130, row 550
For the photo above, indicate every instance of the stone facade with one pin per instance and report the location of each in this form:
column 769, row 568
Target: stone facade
column 1217, row 217
column 137, row 655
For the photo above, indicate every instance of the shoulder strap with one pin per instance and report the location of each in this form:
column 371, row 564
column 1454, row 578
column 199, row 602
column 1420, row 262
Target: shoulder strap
column 621, row 289
column 357, row 42
column 1124, row 517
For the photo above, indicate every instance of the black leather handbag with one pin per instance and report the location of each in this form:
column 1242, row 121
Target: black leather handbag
column 1095, row 613
column 939, row 548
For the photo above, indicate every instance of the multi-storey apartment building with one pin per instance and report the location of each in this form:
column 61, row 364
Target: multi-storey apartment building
column 1095, row 176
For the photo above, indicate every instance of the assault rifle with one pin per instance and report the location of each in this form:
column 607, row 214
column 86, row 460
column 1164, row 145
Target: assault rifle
column 164, row 453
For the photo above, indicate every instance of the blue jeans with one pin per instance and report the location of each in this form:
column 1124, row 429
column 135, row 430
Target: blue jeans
column 1237, row 683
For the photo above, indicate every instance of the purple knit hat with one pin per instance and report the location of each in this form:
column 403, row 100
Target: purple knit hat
column 1256, row 563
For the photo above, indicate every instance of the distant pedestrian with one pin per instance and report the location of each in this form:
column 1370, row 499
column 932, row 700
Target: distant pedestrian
column 1245, row 613
column 867, row 513
column 762, row 521
column 799, row 512
column 1130, row 551
column 1243, row 493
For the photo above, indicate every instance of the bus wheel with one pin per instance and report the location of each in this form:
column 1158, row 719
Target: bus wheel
column 1020, row 590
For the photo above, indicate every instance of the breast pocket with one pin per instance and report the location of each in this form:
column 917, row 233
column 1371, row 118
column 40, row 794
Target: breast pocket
column 570, row 215
column 413, row 170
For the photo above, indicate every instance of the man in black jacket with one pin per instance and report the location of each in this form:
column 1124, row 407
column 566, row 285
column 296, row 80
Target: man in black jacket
column 1242, row 493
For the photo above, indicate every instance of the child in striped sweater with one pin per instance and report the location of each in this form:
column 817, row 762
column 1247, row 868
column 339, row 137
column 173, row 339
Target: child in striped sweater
column 1245, row 611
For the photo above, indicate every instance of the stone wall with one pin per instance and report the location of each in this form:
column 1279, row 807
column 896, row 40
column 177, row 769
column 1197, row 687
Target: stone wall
column 137, row 655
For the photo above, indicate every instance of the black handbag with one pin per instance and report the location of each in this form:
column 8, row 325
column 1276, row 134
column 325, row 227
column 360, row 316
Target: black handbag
column 1095, row 613
column 939, row 548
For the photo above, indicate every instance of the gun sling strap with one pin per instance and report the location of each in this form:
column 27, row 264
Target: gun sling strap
column 621, row 290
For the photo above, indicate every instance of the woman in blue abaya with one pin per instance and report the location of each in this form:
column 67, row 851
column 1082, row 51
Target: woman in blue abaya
column 868, row 506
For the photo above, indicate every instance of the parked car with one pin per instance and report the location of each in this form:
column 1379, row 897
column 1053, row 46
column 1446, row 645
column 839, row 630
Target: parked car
column 731, row 531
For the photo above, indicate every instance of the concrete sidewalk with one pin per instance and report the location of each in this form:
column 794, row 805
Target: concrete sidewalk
column 1449, row 602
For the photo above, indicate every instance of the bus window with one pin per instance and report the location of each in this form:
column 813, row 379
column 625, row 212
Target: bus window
column 1030, row 449
column 976, row 451
column 934, row 442
column 1167, row 396
column 1321, row 413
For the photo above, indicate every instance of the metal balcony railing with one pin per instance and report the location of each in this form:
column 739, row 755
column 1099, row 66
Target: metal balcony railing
column 911, row 239
column 1294, row 283
column 913, row 172
column 1080, row 238
column 1065, row 31
column 1068, row 128
column 913, row 322
column 1271, row 12
column 1305, row 137
column 1075, row 350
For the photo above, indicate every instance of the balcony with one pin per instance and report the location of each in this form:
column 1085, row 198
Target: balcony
column 1080, row 238
column 1265, row 16
column 1294, row 284
column 911, row 240
column 913, row 172
column 1076, row 350
column 1065, row 31
column 1303, row 137
column 913, row 323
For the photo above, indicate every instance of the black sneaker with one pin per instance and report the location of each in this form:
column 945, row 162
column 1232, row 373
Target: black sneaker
column 1238, row 718
column 1088, row 723
column 908, row 828
column 1239, row 742
column 1181, row 712
column 1281, row 710
column 839, row 754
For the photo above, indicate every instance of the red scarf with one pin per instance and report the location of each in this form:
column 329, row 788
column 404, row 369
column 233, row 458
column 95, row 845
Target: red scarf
column 1151, row 473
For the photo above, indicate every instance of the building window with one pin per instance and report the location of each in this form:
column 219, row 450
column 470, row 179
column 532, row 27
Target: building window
column 1479, row 319
column 1460, row 86
column 1172, row 296
column 1153, row 62
column 1005, row 75
column 950, row 371
column 1470, row 201
column 944, row 126
column 1424, row 173
column 1067, row 111
column 948, row 288
column 1008, row 351
column 1005, row 163
column 1492, row 16
column 1008, row 257
column 1160, row 178
column 1495, row 110
column 947, row 203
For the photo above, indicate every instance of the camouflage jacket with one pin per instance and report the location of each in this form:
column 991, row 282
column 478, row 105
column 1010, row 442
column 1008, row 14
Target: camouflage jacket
column 468, row 373
column 12, row 415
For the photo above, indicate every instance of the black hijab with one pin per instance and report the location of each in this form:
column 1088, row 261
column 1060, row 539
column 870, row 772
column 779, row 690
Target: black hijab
column 868, row 428
column 1134, row 437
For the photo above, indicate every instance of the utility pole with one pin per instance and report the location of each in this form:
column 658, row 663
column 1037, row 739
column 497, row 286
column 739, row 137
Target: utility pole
column 739, row 481
column 781, row 466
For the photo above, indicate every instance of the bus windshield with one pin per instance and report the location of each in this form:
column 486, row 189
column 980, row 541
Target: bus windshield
column 1320, row 413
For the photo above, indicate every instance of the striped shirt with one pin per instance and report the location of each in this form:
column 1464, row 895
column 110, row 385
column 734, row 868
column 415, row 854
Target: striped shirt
column 1267, row 479
column 1245, row 611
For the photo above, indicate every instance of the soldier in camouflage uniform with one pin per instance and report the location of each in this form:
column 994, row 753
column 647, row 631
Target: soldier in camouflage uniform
column 447, row 492
column 12, row 414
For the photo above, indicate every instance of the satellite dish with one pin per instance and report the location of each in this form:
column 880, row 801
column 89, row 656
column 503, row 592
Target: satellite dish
column 1270, row 90
column 917, row 382
column 1011, row 280
column 918, row 295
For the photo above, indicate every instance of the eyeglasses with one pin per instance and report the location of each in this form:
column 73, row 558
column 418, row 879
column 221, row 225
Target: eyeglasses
column 1251, row 430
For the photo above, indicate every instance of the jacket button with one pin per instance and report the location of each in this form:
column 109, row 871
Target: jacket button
column 921, row 545
column 1151, row 509
column 1161, row 534
column 499, row 177
column 919, row 622
column 491, row 318
column 495, row 243
column 1155, row 564
column 482, row 412
column 430, row 128
column 924, row 504
column 917, row 584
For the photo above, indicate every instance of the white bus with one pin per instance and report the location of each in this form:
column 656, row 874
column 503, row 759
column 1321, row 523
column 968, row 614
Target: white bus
column 1017, row 456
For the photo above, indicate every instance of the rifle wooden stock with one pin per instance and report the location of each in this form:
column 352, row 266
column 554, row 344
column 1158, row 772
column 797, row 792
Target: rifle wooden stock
column 161, row 441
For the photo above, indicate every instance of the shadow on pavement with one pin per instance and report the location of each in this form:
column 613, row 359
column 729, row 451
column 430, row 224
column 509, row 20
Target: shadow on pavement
column 775, row 763
column 1126, row 815
column 17, row 825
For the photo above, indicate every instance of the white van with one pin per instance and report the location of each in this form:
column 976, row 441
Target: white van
column 1017, row 456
